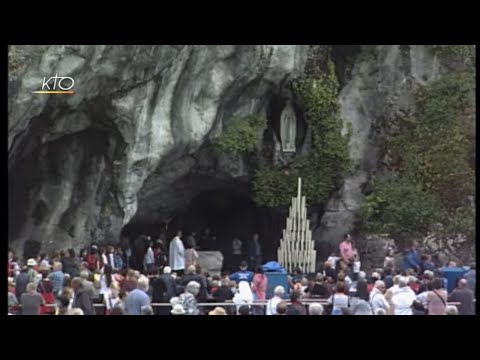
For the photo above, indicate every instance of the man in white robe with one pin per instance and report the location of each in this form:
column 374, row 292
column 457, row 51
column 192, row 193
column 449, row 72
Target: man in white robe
column 177, row 254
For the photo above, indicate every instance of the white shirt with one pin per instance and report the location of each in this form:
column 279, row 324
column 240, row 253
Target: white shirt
column 339, row 301
column 333, row 260
column 378, row 301
column 177, row 254
column 356, row 267
column 272, row 305
column 402, row 301
column 149, row 258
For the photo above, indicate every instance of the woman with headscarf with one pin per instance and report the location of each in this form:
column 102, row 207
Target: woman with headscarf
column 244, row 295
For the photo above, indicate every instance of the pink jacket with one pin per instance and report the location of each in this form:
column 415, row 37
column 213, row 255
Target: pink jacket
column 346, row 251
column 259, row 286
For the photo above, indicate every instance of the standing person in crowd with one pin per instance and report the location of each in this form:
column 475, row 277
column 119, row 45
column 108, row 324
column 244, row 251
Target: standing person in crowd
column 224, row 293
column 356, row 265
column 471, row 277
column 332, row 260
column 43, row 261
column 56, row 277
column 10, row 262
column 70, row 263
column 82, row 257
column 259, row 286
column 88, row 285
column 160, row 252
column 45, row 289
column 296, row 307
column 243, row 274
column 118, row 259
column 318, row 290
column 346, row 249
column 339, row 300
column 389, row 257
column 437, row 298
column 243, row 296
column 11, row 298
column 411, row 259
column 83, row 298
column 138, row 297
column 21, row 282
column 465, row 297
column 278, row 294
column 426, row 263
column 93, row 259
column 177, row 254
column 255, row 252
column 31, row 301
column 377, row 299
column 106, row 280
column 110, row 257
column 403, row 298
column 191, row 255
column 163, row 289
column 32, row 273
column 149, row 259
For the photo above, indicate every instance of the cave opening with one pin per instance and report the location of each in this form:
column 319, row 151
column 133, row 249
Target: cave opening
column 228, row 213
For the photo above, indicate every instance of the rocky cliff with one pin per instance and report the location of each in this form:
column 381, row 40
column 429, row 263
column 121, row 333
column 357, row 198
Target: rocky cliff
column 82, row 166
column 132, row 143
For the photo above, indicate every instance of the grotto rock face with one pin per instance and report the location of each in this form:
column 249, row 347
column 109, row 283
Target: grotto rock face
column 125, row 145
column 132, row 145
column 381, row 88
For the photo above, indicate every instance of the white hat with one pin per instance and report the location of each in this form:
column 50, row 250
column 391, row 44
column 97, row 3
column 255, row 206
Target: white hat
column 178, row 310
column 31, row 262
column 218, row 311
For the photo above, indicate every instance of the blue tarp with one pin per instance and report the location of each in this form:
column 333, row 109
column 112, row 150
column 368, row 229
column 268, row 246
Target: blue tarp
column 273, row 266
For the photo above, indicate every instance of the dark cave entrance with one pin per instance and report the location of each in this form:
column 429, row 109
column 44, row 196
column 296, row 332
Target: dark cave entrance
column 228, row 213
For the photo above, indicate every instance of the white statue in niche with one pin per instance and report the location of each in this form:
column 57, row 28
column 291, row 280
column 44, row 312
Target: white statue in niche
column 288, row 128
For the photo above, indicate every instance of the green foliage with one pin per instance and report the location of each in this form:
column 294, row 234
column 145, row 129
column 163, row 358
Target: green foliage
column 325, row 166
column 462, row 221
column 242, row 135
column 397, row 206
column 433, row 157
column 434, row 146
column 462, row 52
column 274, row 187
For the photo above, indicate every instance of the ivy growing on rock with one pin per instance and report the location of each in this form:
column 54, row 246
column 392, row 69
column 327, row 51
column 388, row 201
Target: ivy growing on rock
column 242, row 135
column 433, row 155
column 464, row 53
column 323, row 169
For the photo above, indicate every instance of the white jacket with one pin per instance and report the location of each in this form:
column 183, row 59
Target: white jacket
column 177, row 254
column 402, row 301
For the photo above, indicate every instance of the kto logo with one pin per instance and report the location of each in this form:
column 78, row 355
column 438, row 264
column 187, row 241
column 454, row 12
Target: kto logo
column 57, row 85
